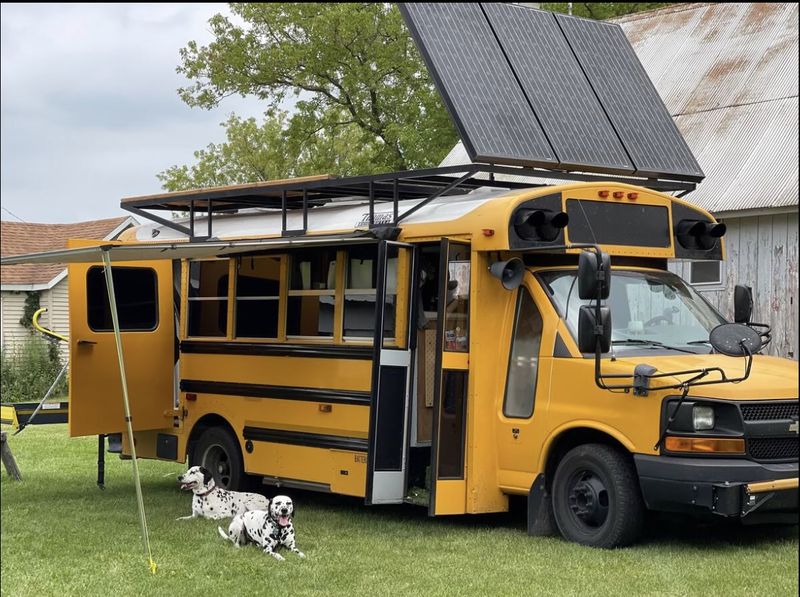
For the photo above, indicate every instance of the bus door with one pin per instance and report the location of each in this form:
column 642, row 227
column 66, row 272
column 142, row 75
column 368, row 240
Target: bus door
column 144, row 293
column 448, row 482
column 387, row 460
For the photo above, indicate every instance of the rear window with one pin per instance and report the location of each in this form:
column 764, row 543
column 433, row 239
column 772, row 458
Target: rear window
column 136, row 291
column 618, row 223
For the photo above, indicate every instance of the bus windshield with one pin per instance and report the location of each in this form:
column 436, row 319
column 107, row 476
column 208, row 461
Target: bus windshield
column 649, row 310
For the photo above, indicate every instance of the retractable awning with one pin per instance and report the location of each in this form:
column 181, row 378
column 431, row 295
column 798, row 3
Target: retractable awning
column 182, row 250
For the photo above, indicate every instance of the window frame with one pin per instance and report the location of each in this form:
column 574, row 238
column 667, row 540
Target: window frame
column 281, row 298
column 719, row 283
column 106, row 300
column 229, row 331
column 517, row 312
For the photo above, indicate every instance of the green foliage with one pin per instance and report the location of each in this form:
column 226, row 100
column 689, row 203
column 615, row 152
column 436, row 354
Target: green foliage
column 603, row 10
column 350, row 66
column 31, row 307
column 29, row 369
column 363, row 99
column 272, row 150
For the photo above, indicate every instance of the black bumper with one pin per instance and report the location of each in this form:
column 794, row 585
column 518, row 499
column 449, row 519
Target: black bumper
column 718, row 486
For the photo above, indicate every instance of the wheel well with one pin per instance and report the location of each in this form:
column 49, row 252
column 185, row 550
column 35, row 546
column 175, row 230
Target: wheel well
column 206, row 422
column 570, row 439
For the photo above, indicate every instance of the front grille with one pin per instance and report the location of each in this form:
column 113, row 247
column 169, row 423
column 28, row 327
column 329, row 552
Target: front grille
column 773, row 448
column 770, row 411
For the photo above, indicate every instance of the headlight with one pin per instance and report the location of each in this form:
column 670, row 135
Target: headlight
column 703, row 417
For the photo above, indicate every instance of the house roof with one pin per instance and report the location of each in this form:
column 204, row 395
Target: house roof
column 17, row 238
column 728, row 73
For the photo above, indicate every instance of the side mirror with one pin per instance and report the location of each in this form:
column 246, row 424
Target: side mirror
column 588, row 333
column 591, row 278
column 742, row 303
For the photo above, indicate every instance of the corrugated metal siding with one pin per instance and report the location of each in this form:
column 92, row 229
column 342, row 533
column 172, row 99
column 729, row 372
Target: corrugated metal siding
column 762, row 253
column 728, row 73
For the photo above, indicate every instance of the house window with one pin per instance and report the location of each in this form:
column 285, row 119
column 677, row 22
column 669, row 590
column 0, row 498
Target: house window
column 136, row 292
column 208, row 298
column 258, row 285
column 312, row 293
column 705, row 272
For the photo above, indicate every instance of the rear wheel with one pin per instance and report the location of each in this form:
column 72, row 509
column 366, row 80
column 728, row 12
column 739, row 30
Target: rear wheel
column 596, row 497
column 218, row 451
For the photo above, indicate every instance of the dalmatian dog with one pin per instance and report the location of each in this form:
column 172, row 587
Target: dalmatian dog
column 214, row 502
column 267, row 528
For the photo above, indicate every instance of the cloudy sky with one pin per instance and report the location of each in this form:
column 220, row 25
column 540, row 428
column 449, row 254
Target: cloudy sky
column 90, row 111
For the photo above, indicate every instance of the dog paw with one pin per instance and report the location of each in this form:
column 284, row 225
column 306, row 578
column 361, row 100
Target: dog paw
column 300, row 554
column 277, row 556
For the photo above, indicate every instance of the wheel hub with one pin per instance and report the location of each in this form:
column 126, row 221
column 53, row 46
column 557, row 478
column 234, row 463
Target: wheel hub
column 588, row 499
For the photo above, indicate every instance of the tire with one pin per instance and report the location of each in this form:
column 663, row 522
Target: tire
column 596, row 497
column 218, row 451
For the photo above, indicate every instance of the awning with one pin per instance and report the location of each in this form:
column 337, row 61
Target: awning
column 182, row 250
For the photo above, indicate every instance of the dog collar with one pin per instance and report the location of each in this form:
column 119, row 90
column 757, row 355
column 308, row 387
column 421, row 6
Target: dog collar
column 213, row 488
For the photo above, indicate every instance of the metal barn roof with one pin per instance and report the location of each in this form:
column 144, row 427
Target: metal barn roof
column 728, row 74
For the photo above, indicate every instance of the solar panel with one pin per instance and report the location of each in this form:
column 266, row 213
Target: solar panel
column 477, row 84
column 562, row 99
column 533, row 88
column 631, row 101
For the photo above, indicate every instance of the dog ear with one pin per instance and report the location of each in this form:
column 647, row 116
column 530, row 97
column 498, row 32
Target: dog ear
column 206, row 475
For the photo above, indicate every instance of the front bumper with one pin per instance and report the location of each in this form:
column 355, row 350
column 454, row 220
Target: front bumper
column 727, row 487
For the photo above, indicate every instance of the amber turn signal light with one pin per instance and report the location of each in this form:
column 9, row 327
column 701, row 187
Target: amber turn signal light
column 706, row 445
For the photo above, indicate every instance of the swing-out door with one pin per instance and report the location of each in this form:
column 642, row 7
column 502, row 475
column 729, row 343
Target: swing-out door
column 387, row 459
column 448, row 453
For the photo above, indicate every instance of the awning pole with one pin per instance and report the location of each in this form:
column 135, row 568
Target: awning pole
column 112, row 301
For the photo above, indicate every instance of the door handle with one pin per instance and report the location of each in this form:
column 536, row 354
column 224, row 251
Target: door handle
column 84, row 342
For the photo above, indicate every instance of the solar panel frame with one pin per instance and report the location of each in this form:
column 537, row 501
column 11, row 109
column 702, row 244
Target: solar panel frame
column 509, row 136
column 630, row 99
column 557, row 89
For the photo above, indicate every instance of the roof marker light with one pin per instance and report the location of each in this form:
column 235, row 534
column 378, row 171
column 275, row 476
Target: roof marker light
column 488, row 231
column 618, row 194
column 602, row 194
column 633, row 196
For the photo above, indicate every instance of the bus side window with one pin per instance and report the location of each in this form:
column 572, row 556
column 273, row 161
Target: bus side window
column 258, row 286
column 208, row 298
column 360, row 290
column 312, row 293
column 524, row 359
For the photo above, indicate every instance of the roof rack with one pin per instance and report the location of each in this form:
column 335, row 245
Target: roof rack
column 312, row 191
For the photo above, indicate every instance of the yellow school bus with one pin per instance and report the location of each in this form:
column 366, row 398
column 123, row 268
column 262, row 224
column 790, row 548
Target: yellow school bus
column 418, row 337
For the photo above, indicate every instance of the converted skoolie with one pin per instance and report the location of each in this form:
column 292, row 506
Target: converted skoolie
column 419, row 334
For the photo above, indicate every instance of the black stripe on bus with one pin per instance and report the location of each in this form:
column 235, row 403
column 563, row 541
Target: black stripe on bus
column 311, row 440
column 253, row 390
column 278, row 350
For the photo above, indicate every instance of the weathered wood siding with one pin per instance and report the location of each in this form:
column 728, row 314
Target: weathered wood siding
column 762, row 253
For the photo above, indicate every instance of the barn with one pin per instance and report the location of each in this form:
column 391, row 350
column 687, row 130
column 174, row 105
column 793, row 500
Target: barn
column 728, row 73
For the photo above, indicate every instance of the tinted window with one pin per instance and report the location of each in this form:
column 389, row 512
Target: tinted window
column 618, row 223
column 524, row 359
column 208, row 298
column 258, row 286
column 136, row 291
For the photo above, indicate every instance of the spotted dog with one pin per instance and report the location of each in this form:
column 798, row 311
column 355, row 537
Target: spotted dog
column 268, row 529
column 214, row 502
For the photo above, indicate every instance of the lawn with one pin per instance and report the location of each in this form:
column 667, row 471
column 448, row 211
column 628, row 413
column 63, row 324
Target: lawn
column 61, row 535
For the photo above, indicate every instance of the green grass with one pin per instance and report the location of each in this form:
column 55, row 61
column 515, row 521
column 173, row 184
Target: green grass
column 63, row 536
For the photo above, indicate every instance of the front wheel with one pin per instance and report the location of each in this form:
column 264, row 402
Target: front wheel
column 596, row 497
column 217, row 450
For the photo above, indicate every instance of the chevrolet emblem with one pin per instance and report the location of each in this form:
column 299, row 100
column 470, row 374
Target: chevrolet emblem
column 795, row 427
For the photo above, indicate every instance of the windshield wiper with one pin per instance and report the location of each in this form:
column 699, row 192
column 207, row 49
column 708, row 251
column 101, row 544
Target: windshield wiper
column 651, row 343
column 699, row 342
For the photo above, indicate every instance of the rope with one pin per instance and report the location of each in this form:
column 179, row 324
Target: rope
column 137, row 481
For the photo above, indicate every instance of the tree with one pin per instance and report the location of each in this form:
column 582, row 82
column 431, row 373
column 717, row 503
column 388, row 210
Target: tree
column 350, row 66
column 602, row 10
column 363, row 99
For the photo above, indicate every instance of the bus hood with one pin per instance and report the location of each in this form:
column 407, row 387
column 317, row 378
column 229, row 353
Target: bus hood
column 770, row 377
